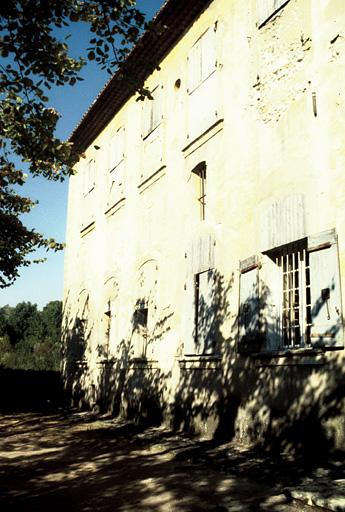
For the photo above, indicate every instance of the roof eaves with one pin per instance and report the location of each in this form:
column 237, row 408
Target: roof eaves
column 176, row 17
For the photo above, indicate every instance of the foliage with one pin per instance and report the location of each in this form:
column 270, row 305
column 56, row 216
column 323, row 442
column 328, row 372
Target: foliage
column 34, row 58
column 29, row 338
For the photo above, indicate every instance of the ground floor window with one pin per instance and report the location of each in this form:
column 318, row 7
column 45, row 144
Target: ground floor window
column 290, row 297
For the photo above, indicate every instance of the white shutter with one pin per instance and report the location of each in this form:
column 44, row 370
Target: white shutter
column 157, row 107
column 194, row 66
column 206, row 314
column 89, row 176
column 117, row 149
column 283, row 222
column 271, row 294
column 189, row 317
column 266, row 8
column 201, row 253
column 208, row 53
column 326, row 308
column 249, row 311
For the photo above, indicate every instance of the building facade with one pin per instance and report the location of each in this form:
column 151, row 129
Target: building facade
column 206, row 227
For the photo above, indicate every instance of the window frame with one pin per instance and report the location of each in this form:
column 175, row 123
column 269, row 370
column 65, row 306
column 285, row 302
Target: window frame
column 153, row 112
column 196, row 58
column 261, row 326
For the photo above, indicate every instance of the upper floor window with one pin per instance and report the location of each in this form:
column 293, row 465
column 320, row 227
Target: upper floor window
column 202, row 59
column 153, row 111
column 117, row 148
column 89, row 176
column 267, row 8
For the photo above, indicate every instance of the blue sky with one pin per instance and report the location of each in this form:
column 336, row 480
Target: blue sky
column 41, row 283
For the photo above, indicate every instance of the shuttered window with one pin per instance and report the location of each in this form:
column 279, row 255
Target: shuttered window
column 89, row 176
column 290, row 297
column 117, row 149
column 153, row 111
column 249, row 311
column 267, row 8
column 201, row 59
column 202, row 341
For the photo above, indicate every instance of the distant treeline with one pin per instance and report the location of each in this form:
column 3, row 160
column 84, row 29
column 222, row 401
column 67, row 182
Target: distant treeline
column 30, row 339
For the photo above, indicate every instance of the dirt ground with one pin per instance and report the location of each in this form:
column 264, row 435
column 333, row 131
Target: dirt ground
column 80, row 462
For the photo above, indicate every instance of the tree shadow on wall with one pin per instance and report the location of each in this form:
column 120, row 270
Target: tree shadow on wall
column 76, row 333
column 129, row 381
column 288, row 405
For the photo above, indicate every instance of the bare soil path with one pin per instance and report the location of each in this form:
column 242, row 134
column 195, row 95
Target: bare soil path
column 80, row 462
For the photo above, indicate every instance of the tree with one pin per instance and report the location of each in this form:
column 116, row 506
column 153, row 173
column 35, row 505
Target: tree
column 33, row 60
column 31, row 339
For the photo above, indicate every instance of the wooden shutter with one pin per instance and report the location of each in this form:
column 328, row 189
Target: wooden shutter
column 249, row 311
column 206, row 314
column 157, row 107
column 266, row 8
column 283, row 222
column 194, row 66
column 201, row 253
column 117, row 148
column 189, row 317
column 208, row 53
column 271, row 294
column 326, row 307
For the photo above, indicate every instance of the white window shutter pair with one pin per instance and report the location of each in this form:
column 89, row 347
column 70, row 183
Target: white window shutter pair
column 261, row 298
column 117, row 148
column 201, row 59
column 199, row 325
column 206, row 313
column 153, row 111
column 249, row 311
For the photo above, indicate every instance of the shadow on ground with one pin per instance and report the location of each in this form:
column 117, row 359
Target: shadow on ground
column 81, row 462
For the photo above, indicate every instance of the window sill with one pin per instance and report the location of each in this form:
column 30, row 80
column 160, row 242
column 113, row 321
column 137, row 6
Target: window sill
column 150, row 179
column 151, row 132
column 298, row 357
column 87, row 229
column 143, row 363
column 203, row 137
column 115, row 207
column 209, row 362
column 106, row 362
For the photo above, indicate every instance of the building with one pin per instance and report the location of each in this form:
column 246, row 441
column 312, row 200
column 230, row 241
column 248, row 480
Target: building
column 206, row 227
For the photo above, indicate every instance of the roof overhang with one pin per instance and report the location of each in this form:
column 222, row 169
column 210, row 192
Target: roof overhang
column 173, row 19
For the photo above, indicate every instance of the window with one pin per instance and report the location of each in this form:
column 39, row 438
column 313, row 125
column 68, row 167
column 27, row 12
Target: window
column 109, row 320
column 140, row 327
column 80, row 331
column 116, row 166
column 267, row 8
column 107, row 327
column 290, row 297
column 117, row 149
column 89, row 176
column 204, row 312
column 153, row 111
column 203, row 339
column 199, row 174
column 202, row 59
